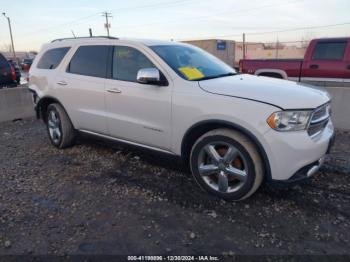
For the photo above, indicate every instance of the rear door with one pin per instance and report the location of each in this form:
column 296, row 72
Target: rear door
column 327, row 63
column 81, row 85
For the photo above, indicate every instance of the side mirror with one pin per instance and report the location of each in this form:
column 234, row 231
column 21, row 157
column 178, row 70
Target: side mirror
column 149, row 76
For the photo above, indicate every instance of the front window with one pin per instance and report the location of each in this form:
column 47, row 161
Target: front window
column 127, row 61
column 192, row 63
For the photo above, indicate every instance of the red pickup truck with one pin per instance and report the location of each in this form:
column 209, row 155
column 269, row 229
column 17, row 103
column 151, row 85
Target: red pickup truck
column 326, row 63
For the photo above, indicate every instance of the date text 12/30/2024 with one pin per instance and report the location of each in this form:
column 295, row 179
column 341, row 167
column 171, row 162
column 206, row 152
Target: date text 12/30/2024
column 173, row 258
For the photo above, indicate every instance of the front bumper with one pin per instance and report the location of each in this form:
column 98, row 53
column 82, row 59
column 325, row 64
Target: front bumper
column 292, row 153
column 305, row 172
column 301, row 175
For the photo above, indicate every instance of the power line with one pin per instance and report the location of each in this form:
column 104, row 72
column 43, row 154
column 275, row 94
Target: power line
column 280, row 42
column 275, row 32
column 150, row 5
column 97, row 14
column 62, row 25
column 300, row 28
column 242, row 11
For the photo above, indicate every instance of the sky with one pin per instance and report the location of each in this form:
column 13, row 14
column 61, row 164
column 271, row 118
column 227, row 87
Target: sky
column 36, row 22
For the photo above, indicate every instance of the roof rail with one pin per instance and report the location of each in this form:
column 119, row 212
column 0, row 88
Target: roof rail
column 84, row 37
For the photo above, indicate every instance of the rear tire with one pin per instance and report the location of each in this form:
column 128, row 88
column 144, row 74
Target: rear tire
column 59, row 127
column 226, row 163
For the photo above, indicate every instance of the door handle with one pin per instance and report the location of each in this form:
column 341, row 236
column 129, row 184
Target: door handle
column 314, row 66
column 62, row 83
column 114, row 90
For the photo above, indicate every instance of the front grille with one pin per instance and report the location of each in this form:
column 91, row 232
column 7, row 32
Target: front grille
column 319, row 119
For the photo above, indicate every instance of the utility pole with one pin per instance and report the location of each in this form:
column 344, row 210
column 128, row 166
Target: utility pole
column 107, row 24
column 277, row 44
column 13, row 47
column 244, row 55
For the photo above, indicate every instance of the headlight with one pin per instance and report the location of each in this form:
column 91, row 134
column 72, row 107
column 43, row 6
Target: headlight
column 289, row 120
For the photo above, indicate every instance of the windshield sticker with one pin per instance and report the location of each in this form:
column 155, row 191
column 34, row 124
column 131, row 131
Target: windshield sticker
column 191, row 73
column 120, row 53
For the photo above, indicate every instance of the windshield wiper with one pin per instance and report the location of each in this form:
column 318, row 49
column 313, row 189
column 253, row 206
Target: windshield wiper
column 217, row 76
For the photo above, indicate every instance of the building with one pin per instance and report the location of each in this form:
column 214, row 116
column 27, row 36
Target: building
column 222, row 49
column 231, row 52
column 263, row 51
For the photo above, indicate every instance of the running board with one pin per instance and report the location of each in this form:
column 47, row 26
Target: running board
column 127, row 142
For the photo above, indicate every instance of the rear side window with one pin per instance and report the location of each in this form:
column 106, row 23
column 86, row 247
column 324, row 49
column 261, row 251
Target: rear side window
column 52, row 58
column 90, row 61
column 329, row 51
column 127, row 61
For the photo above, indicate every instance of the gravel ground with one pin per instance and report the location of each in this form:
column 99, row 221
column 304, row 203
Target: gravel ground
column 103, row 198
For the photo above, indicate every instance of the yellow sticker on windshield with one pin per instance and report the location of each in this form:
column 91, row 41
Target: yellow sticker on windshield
column 191, row 73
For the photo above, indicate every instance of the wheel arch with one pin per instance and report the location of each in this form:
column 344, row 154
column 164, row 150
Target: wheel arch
column 42, row 105
column 198, row 129
column 277, row 72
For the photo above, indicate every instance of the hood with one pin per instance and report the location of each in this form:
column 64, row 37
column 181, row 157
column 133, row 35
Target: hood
column 281, row 93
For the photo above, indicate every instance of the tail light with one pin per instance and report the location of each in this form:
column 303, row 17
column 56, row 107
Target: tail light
column 13, row 73
column 240, row 66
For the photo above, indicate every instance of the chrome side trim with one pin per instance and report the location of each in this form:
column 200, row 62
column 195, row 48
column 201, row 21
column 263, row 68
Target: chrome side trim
column 295, row 79
column 114, row 90
column 126, row 141
column 325, row 79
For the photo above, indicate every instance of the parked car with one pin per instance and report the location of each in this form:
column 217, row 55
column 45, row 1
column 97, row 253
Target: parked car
column 7, row 73
column 326, row 61
column 26, row 64
column 17, row 70
column 233, row 130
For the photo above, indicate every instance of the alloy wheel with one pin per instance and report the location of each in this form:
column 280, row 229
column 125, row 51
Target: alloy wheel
column 54, row 126
column 222, row 167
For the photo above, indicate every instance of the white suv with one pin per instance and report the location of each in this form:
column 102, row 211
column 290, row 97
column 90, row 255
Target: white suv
column 234, row 130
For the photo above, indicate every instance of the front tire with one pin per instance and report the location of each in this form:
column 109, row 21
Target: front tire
column 59, row 127
column 226, row 163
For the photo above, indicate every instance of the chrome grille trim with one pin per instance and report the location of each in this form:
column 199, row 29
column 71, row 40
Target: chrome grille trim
column 319, row 120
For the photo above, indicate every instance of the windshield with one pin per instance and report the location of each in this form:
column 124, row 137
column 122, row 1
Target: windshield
column 192, row 63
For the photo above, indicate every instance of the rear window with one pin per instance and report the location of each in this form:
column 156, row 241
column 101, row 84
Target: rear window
column 90, row 61
column 329, row 51
column 52, row 58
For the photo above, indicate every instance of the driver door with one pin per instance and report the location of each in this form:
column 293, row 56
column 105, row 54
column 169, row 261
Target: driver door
column 137, row 112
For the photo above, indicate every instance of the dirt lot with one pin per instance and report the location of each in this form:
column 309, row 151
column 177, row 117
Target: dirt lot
column 107, row 198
